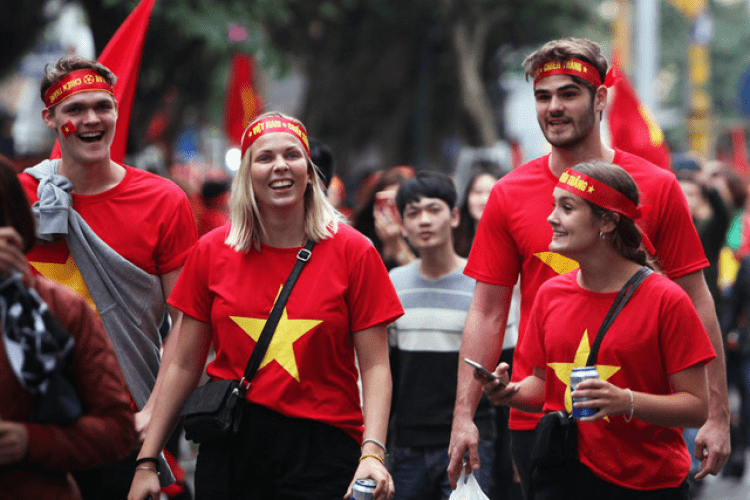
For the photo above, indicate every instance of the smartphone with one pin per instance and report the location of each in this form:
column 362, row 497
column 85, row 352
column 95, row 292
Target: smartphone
column 483, row 370
column 386, row 201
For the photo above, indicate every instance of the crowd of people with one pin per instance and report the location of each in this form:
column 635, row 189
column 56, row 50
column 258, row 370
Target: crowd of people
column 364, row 377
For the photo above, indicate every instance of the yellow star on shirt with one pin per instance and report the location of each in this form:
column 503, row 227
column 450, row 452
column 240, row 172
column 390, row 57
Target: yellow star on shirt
column 559, row 263
column 287, row 332
column 563, row 370
column 66, row 274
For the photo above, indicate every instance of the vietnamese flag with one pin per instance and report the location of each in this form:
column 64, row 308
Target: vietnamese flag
column 632, row 128
column 122, row 56
column 241, row 103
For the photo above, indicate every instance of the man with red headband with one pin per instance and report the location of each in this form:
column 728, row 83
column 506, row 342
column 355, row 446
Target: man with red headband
column 513, row 237
column 116, row 235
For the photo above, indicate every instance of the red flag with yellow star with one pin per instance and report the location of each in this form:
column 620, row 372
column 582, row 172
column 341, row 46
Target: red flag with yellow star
column 631, row 125
column 241, row 103
column 122, row 56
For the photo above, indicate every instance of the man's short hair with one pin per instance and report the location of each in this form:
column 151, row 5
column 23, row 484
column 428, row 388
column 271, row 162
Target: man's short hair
column 426, row 184
column 564, row 49
column 54, row 72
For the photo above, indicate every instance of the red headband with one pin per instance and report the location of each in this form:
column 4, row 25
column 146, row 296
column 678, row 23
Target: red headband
column 80, row 80
column 274, row 124
column 573, row 67
column 598, row 193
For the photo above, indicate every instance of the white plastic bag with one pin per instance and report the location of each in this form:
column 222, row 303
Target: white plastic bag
column 467, row 488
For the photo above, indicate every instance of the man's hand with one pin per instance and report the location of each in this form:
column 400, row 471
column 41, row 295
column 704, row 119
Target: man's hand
column 142, row 419
column 464, row 438
column 14, row 442
column 712, row 447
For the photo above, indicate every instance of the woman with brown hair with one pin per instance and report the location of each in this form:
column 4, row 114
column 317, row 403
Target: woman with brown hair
column 651, row 362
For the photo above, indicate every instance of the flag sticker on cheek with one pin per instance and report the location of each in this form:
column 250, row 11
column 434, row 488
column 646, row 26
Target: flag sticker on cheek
column 68, row 128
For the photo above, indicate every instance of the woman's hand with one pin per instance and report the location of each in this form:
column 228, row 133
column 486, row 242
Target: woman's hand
column 11, row 254
column 499, row 390
column 372, row 468
column 609, row 399
column 145, row 485
column 14, row 442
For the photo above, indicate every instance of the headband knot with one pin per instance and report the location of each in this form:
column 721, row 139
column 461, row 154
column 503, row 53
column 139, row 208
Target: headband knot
column 572, row 67
column 75, row 82
column 598, row 193
column 274, row 124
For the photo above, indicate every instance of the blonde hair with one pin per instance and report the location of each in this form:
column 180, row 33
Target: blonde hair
column 247, row 230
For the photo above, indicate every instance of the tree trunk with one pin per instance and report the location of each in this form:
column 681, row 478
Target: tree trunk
column 469, row 52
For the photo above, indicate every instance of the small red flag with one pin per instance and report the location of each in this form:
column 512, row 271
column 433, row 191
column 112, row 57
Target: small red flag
column 68, row 128
column 631, row 126
column 241, row 103
column 122, row 55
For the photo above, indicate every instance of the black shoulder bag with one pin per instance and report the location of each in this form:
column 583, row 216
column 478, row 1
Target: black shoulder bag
column 555, row 448
column 214, row 410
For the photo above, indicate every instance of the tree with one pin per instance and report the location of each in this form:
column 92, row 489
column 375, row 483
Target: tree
column 401, row 77
column 397, row 77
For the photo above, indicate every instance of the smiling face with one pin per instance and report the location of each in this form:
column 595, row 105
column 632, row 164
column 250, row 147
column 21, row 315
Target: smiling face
column 566, row 110
column 575, row 228
column 278, row 171
column 428, row 223
column 94, row 116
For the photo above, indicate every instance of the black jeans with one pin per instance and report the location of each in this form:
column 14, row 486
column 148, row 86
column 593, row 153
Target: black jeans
column 274, row 456
column 588, row 486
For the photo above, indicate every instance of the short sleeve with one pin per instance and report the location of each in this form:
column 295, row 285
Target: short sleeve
column 372, row 298
column 191, row 292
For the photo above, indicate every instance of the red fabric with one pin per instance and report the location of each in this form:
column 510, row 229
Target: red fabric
column 631, row 126
column 104, row 434
column 241, row 103
column 145, row 218
column 513, row 236
column 659, row 324
column 122, row 56
column 343, row 289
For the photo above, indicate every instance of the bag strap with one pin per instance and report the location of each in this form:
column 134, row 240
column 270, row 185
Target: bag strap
column 273, row 318
column 620, row 301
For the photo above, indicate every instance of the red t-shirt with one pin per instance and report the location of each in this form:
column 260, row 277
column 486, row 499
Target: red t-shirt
column 145, row 218
column 657, row 334
column 309, row 369
column 514, row 236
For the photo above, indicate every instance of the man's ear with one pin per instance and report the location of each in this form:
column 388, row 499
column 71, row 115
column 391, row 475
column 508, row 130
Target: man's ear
column 48, row 116
column 455, row 217
column 600, row 98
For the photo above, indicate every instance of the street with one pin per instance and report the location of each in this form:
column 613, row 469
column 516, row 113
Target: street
column 724, row 488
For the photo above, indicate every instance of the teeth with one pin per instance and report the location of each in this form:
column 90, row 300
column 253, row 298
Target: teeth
column 280, row 184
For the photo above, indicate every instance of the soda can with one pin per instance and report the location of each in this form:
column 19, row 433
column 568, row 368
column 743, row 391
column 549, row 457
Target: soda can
column 579, row 375
column 364, row 489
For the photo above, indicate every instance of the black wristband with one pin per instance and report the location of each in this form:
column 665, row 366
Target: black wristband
column 144, row 460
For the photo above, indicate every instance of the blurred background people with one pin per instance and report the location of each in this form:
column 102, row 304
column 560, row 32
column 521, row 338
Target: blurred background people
column 214, row 209
column 471, row 206
column 377, row 216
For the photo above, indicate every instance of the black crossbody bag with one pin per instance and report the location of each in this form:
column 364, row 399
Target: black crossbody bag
column 555, row 448
column 213, row 410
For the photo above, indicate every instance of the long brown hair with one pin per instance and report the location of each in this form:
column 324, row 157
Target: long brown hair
column 626, row 238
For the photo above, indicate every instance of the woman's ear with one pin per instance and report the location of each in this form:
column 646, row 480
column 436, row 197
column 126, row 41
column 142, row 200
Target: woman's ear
column 610, row 222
